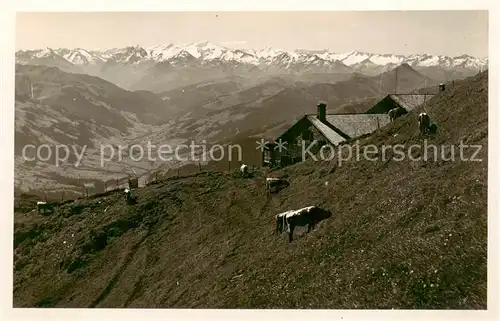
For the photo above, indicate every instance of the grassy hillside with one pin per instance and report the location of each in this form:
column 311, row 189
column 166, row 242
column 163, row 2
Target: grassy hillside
column 403, row 235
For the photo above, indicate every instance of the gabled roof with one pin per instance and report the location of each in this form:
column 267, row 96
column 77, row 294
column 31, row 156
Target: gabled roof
column 340, row 127
column 299, row 123
column 331, row 135
column 407, row 101
column 354, row 125
column 410, row 101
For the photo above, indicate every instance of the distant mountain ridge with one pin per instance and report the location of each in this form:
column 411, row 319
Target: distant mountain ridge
column 207, row 51
column 165, row 67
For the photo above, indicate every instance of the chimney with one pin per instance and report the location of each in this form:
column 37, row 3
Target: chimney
column 322, row 112
column 441, row 87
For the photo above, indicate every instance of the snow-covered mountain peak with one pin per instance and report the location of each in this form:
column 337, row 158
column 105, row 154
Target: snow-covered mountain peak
column 205, row 52
column 46, row 52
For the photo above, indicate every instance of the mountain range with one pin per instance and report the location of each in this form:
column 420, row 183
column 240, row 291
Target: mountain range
column 163, row 67
column 206, row 51
column 172, row 94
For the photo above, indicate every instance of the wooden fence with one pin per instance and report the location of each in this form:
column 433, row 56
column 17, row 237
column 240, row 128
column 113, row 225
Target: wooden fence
column 90, row 188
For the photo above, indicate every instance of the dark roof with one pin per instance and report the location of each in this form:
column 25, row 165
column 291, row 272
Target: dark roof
column 340, row 127
column 290, row 129
column 410, row 101
column 354, row 125
column 407, row 101
column 329, row 133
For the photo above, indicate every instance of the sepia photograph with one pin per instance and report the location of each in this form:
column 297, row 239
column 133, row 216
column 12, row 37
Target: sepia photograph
column 281, row 160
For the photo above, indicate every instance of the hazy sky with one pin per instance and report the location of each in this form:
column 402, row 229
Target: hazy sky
column 402, row 32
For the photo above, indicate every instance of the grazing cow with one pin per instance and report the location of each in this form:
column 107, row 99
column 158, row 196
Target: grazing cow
column 275, row 184
column 309, row 216
column 43, row 207
column 281, row 221
column 244, row 170
column 396, row 112
column 424, row 122
column 128, row 197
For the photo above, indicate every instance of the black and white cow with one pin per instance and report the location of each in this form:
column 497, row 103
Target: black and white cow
column 396, row 112
column 424, row 123
column 309, row 216
column 274, row 184
column 44, row 207
column 244, row 170
column 129, row 199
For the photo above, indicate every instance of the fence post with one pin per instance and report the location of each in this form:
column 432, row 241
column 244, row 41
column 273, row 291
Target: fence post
column 229, row 166
column 199, row 165
column 178, row 169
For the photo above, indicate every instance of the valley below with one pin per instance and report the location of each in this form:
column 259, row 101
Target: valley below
column 74, row 106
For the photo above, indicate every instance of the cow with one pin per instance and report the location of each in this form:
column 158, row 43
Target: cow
column 424, row 123
column 309, row 216
column 396, row 112
column 244, row 170
column 43, row 207
column 274, row 184
column 281, row 221
column 128, row 197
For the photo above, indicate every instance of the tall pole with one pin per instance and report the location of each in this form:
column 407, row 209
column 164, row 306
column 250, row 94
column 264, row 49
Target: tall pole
column 396, row 84
column 425, row 89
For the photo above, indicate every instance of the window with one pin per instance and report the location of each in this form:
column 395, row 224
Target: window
column 267, row 156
